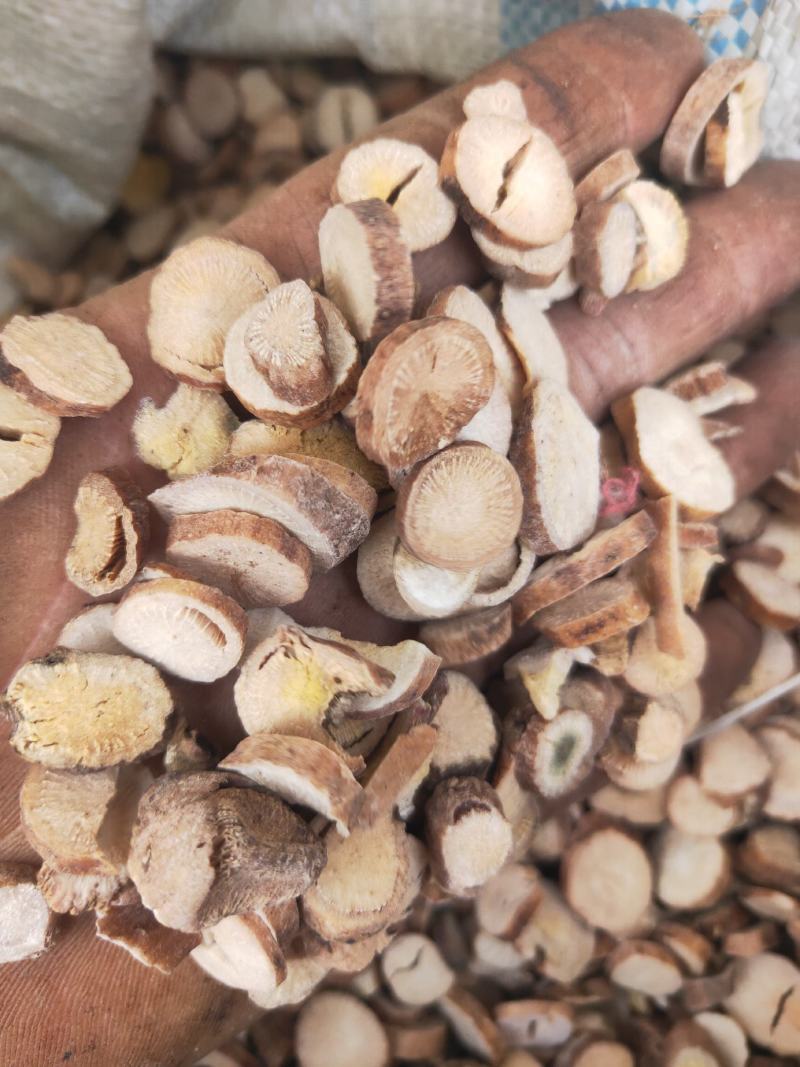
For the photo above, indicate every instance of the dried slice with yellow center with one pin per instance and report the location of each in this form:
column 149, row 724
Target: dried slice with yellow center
column 460, row 508
column 112, row 532
column 190, row 433
column 196, row 295
column 190, row 629
column 27, row 440
column 664, row 234
column 422, row 385
column 62, row 365
column 87, row 709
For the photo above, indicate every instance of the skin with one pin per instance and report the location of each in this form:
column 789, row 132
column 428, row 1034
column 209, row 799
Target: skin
column 86, row 1002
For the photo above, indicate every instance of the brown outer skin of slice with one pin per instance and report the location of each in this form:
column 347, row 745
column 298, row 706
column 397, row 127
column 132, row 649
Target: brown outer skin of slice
column 617, row 59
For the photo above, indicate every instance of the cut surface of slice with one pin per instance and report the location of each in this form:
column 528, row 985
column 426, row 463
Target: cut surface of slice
column 664, row 234
column 534, row 268
column 607, row 177
column 607, row 879
column 189, row 434
column 762, row 594
column 375, row 571
column 502, row 97
column 531, row 336
column 27, row 439
column 431, row 591
column 605, row 247
column 733, row 139
column 468, row 836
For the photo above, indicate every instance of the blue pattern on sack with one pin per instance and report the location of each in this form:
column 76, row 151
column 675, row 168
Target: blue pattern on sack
column 524, row 20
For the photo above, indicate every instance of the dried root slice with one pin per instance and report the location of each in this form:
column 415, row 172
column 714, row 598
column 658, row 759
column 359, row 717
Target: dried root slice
column 375, row 571
column 766, row 1002
column 395, row 777
column 189, row 434
column 770, row 903
column 639, row 809
column 691, row 947
column 502, row 578
column 468, row 836
column 72, row 892
column 555, row 450
column 611, row 655
column 664, row 579
column 607, row 879
column 431, row 592
column 461, row 508
column 368, row 882
column 27, row 439
column 303, row 975
column 502, row 97
column 654, row 731
column 196, row 296
column 744, row 522
column 90, row 631
column 557, row 939
column 366, row 267
column 540, row 1024
column 781, row 739
column 732, row 763
column 692, row 811
column 607, row 178
column 407, row 178
column 252, row 559
column 627, row 772
column 325, row 505
column 424, row 383
column 689, row 1045
column 242, row 951
column 561, row 576
column 782, row 491
column 205, row 846
column 415, row 971
column 126, row 922
column 542, row 670
column 423, row 1039
column 510, row 180
column 332, row 440
column 664, row 234
column 528, row 330
column 26, row 923
column 300, row 771
column 780, row 539
column 62, row 365
column 691, row 872
column 696, row 565
column 113, row 529
column 709, row 387
column 684, row 151
column 762, row 594
column 665, row 440
column 337, row 1030
column 468, row 637
column 606, row 237
column 507, row 900
column 86, row 710
column 644, row 967
column 601, row 610
column 525, row 268
column 656, row 673
column 413, row 668
column 472, row 1024
column 290, row 680
column 770, row 856
column 185, row 627
column 466, row 738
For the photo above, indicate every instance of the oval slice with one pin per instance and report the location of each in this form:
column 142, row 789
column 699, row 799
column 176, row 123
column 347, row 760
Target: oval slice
column 27, row 439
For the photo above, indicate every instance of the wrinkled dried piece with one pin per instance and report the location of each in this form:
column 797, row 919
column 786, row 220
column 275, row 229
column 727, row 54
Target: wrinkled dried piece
column 62, row 365
column 206, row 846
column 26, row 923
column 27, row 440
column 542, row 670
column 113, row 529
column 86, row 710
column 189, row 434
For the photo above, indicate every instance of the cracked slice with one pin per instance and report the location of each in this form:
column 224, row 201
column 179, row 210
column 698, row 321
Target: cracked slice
column 423, row 384
column 528, row 330
column 460, row 508
column 252, row 559
column 190, row 629
column 510, row 179
column 62, row 365
column 415, row 970
column 326, row 506
column 607, row 178
column 26, row 922
column 663, row 234
column 113, row 529
column 27, row 439
column 406, row 178
column 196, row 295
column 87, row 710
column 190, row 433
column 366, row 267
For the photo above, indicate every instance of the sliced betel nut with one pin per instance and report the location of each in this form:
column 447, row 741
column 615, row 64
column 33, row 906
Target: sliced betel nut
column 189, row 434
column 27, row 439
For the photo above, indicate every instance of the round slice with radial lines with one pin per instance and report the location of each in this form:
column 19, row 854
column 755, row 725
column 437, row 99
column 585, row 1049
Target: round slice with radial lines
column 424, row 382
column 531, row 336
column 366, row 267
column 606, row 237
column 195, row 297
column 556, row 452
column 27, row 440
column 460, row 508
column 502, row 97
column 190, row 433
column 252, row 559
column 113, row 529
column 468, row 637
column 86, row 710
column 607, row 177
column 663, row 234
column 62, row 365
column 433, row 592
column 468, row 836
column 326, row 506
column 187, row 628
column 375, row 571
column 524, row 267
column 664, row 438
column 510, row 180
column 337, row 359
column 407, row 178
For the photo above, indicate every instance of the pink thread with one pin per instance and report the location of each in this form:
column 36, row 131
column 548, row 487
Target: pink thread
column 620, row 495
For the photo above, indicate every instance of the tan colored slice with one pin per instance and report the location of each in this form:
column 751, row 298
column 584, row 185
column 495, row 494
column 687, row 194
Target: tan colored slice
column 395, row 774
column 535, row 268
column 762, row 594
column 467, row 735
column 555, row 450
column 528, row 330
column 692, row 872
column 127, row 923
column 606, row 237
column 780, row 538
column 189, row 434
column 644, row 967
column 242, row 952
column 780, row 738
column 560, row 942
column 607, row 178
column 86, row 710
column 366, row 267
column 510, row 180
column 664, row 234
column 27, row 440
column 335, row 1029
column 468, row 637
column 732, row 763
column 26, row 923
column 196, row 295
column 542, row 670
column 185, row 627
column 460, row 508
column 91, row 630
column 375, row 571
column 415, row 970
column 407, row 178
column 782, row 491
column 696, row 565
column 654, row 730
column 766, row 1001
column 689, row 1045
column 300, row 771
column 607, row 878
column 542, row 1024
column 502, row 97
column 639, row 809
column 423, row 384
column 664, row 578
column 664, row 438
column 472, row 1024
column 252, row 559
column 325, row 505
column 656, row 673
column 113, row 528
column 709, row 387
column 468, row 836
column 601, row 610
column 430, row 591
column 72, row 893
column 693, row 811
